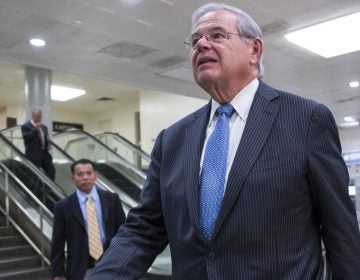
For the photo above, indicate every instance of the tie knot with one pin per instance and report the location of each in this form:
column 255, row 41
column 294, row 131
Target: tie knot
column 226, row 109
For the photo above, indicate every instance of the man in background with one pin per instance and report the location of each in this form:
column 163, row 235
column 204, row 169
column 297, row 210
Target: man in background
column 246, row 187
column 86, row 235
column 37, row 144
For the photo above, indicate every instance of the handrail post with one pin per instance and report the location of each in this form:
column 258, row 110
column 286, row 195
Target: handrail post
column 7, row 203
column 42, row 245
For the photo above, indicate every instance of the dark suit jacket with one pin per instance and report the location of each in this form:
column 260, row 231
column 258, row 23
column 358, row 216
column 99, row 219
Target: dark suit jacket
column 287, row 189
column 69, row 227
column 32, row 141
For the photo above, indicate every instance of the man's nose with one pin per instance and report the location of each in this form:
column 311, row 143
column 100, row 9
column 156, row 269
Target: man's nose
column 202, row 43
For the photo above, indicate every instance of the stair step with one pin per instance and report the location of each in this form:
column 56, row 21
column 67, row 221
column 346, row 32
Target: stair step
column 2, row 220
column 39, row 273
column 11, row 240
column 16, row 251
column 20, row 263
column 7, row 230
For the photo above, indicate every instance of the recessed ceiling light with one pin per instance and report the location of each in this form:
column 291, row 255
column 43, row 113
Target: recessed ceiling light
column 60, row 93
column 330, row 38
column 354, row 84
column 349, row 119
column 37, row 42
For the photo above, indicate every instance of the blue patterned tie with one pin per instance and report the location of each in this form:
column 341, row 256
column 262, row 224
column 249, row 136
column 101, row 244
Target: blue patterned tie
column 214, row 171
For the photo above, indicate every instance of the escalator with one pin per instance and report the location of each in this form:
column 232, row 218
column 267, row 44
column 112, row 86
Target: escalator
column 115, row 168
column 114, row 174
column 62, row 162
column 29, row 175
column 124, row 148
column 119, row 180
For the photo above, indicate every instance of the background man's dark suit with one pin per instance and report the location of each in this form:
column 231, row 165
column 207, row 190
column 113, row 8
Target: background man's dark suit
column 33, row 148
column 69, row 226
column 286, row 190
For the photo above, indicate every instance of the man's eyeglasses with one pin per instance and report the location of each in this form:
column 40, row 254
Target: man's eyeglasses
column 216, row 36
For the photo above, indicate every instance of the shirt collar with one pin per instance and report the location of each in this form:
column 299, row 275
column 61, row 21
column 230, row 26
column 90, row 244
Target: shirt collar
column 82, row 195
column 241, row 102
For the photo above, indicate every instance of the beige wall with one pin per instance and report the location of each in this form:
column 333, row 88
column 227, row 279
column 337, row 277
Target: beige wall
column 159, row 110
column 120, row 119
column 350, row 138
column 3, row 116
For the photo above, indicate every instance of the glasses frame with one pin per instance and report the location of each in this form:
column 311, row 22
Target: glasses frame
column 193, row 47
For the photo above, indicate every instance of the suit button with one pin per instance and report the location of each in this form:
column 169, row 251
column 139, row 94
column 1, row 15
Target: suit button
column 211, row 256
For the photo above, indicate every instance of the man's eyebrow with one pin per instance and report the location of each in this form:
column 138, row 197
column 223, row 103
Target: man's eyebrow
column 209, row 30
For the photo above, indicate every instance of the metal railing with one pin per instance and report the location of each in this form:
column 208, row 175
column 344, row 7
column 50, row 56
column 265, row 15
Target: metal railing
column 15, row 210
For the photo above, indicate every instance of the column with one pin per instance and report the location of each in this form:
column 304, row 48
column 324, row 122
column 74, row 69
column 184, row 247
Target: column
column 38, row 93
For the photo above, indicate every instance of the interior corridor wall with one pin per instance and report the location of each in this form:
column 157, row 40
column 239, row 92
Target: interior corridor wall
column 350, row 138
column 120, row 119
column 159, row 110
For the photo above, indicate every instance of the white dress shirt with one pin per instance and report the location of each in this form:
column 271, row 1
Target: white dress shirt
column 241, row 103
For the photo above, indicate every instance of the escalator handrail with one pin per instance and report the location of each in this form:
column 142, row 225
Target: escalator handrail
column 124, row 162
column 26, row 190
column 45, row 179
column 104, row 186
column 129, row 143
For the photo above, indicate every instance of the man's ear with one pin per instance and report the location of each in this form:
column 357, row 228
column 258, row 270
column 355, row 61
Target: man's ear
column 257, row 51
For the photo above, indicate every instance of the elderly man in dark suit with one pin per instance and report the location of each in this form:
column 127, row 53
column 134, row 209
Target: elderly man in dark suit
column 246, row 187
column 37, row 144
column 72, row 225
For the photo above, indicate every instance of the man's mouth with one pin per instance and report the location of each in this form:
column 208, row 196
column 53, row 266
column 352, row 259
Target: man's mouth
column 204, row 60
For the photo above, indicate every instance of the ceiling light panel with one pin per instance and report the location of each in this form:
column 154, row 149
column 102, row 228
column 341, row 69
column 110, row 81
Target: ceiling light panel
column 60, row 93
column 331, row 38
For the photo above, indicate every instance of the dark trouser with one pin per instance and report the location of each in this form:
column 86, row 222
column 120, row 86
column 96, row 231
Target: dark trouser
column 45, row 162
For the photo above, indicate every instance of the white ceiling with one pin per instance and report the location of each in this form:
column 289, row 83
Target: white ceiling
column 119, row 49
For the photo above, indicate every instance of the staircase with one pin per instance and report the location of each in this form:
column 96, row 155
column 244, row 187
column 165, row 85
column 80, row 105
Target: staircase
column 18, row 260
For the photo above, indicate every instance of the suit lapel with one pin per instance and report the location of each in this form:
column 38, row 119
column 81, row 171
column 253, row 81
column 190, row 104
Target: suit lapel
column 259, row 122
column 74, row 207
column 104, row 202
column 192, row 156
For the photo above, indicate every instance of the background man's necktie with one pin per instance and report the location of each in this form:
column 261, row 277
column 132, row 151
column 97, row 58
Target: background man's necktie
column 214, row 171
column 41, row 137
column 95, row 245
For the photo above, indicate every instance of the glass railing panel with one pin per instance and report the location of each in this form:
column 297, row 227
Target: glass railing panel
column 125, row 149
column 60, row 160
column 26, row 212
column 81, row 145
column 40, row 185
column 15, row 137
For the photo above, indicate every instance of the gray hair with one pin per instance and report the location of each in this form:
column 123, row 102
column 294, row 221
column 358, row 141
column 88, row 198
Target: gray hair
column 246, row 25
